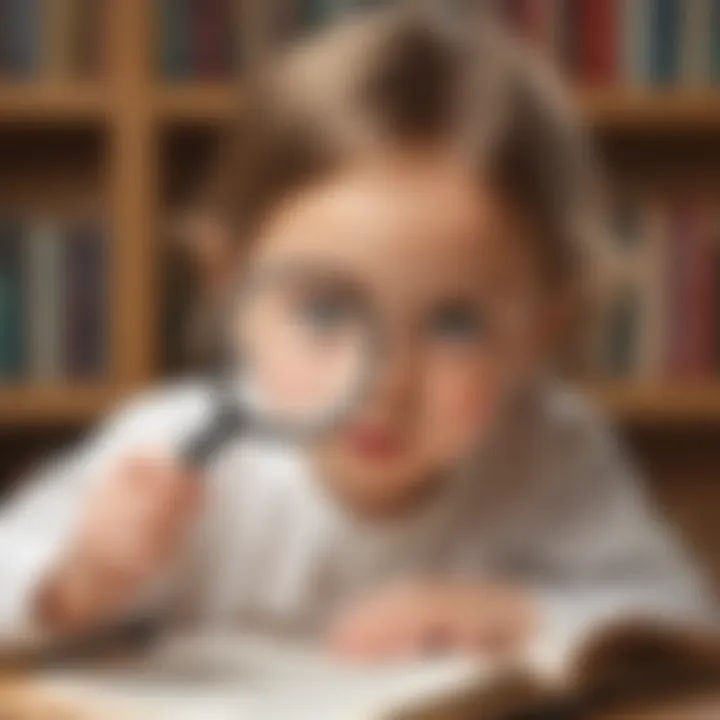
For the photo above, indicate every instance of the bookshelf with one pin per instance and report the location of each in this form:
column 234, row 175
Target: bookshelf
column 134, row 130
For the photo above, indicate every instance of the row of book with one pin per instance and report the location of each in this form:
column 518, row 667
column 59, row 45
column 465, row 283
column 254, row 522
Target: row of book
column 51, row 39
column 198, row 39
column 53, row 300
column 624, row 42
column 598, row 42
column 661, row 318
column 203, row 39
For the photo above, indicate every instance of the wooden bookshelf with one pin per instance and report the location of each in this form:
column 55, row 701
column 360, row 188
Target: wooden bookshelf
column 630, row 110
column 214, row 103
column 135, row 113
column 647, row 405
column 51, row 103
column 55, row 404
column 203, row 103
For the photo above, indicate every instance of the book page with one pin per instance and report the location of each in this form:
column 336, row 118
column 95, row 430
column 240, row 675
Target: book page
column 215, row 677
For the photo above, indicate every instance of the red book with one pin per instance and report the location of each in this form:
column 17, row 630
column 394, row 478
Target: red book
column 598, row 46
column 212, row 41
column 699, row 309
column 678, row 264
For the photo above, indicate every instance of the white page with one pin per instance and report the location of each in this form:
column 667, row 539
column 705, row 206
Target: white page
column 219, row 678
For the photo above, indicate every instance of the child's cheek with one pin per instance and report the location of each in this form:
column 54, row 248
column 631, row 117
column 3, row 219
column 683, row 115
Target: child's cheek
column 462, row 404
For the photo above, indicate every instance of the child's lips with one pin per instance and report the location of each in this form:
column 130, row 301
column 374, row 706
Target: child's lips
column 375, row 443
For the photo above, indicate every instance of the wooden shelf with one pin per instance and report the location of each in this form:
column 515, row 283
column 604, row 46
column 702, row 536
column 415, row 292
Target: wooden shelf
column 630, row 403
column 212, row 103
column 646, row 111
column 48, row 405
column 609, row 109
column 48, row 103
column 647, row 404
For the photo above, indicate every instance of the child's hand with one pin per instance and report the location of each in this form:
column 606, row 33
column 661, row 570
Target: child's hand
column 128, row 532
column 424, row 617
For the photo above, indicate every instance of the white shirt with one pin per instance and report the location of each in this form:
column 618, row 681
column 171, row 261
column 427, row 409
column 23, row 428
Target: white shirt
column 552, row 505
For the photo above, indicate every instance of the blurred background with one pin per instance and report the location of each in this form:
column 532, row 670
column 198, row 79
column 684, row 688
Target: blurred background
column 111, row 117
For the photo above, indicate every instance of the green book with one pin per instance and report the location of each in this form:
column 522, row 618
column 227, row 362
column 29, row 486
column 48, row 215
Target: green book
column 11, row 300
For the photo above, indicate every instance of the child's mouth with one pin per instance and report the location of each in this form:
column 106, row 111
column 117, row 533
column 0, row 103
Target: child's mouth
column 375, row 443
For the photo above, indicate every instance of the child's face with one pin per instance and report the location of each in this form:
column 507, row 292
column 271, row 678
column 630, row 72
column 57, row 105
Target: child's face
column 449, row 268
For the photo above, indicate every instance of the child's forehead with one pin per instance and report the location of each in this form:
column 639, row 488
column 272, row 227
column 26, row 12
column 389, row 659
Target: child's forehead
column 416, row 205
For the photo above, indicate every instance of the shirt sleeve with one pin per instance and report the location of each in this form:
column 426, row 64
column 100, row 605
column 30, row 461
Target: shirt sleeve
column 37, row 520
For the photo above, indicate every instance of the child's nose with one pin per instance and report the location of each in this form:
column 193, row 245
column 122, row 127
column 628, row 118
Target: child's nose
column 394, row 388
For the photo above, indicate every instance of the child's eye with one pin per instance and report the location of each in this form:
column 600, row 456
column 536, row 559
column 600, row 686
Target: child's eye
column 457, row 322
column 324, row 312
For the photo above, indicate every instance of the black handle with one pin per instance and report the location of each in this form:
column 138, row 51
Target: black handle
column 224, row 424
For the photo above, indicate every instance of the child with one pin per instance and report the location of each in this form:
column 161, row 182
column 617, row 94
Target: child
column 440, row 167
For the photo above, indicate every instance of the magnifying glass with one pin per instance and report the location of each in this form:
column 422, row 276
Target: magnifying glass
column 300, row 344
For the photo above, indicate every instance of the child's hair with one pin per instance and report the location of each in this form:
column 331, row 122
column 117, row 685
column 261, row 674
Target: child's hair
column 405, row 77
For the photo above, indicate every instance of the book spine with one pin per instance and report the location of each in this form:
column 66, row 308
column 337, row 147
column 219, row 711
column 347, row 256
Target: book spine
column 678, row 275
column 204, row 39
column 715, row 41
column 598, row 54
column 691, row 300
column 716, row 291
column 4, row 39
column 703, row 310
column 695, row 39
column 12, row 309
column 654, row 278
column 86, row 38
column 176, row 42
column 636, row 32
column 58, row 21
column 665, row 41
column 85, row 301
column 46, row 296
column 23, row 24
column 568, row 19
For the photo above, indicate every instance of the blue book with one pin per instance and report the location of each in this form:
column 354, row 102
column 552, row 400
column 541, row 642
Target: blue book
column 24, row 25
column 11, row 300
column 665, row 33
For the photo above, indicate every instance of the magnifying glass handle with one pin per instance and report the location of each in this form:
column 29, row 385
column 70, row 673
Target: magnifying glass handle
column 201, row 447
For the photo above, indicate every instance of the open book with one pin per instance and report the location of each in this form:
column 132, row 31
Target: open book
column 224, row 678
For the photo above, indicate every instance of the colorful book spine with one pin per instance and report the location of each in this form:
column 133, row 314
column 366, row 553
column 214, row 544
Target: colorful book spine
column 175, row 18
column 86, row 278
column 695, row 43
column 23, row 17
column 212, row 24
column 598, row 54
column 715, row 41
column 652, row 266
column 635, row 42
column 58, row 22
column 665, row 22
column 89, row 37
column 12, row 305
column 46, row 302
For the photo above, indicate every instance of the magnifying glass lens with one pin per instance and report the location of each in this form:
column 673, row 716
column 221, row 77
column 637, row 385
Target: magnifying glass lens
column 302, row 342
